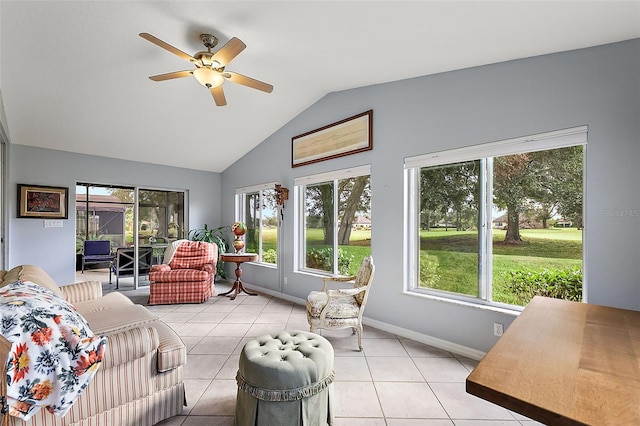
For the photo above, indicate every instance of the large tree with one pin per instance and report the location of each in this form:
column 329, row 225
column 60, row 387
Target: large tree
column 567, row 185
column 351, row 201
column 353, row 197
column 513, row 182
column 550, row 179
column 255, row 212
column 450, row 192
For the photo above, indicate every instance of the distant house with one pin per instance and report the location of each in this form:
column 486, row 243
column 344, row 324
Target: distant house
column 499, row 222
column 106, row 214
column 361, row 222
column 563, row 224
column 526, row 222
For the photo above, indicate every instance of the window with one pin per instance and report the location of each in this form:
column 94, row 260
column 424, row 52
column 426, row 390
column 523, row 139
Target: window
column 335, row 220
column 497, row 223
column 257, row 208
column 160, row 216
column 105, row 212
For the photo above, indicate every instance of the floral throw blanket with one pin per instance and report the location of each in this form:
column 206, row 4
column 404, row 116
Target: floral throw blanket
column 54, row 355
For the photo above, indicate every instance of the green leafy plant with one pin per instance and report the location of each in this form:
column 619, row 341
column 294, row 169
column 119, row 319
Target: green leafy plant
column 215, row 236
column 557, row 283
column 323, row 259
column 429, row 276
column 270, row 256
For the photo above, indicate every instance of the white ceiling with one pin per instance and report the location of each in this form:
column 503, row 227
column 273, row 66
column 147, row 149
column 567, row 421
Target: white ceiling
column 74, row 74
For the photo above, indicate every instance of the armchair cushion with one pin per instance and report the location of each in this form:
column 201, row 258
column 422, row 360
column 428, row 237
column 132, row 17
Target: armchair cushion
column 108, row 301
column 181, row 275
column 340, row 306
column 194, row 255
column 363, row 277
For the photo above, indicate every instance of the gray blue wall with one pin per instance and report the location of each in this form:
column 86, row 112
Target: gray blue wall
column 54, row 248
column 598, row 87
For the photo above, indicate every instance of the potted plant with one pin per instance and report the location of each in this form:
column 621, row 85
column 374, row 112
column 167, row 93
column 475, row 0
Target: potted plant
column 214, row 236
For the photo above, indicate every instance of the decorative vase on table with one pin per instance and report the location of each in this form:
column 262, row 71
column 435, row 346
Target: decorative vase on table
column 238, row 229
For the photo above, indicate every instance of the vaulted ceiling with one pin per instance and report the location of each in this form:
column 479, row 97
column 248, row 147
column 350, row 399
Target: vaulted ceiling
column 74, row 74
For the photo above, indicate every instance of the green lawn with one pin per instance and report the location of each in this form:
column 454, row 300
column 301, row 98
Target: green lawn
column 449, row 261
column 359, row 248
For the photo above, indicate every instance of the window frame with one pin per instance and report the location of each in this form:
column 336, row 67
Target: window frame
column 240, row 215
column 485, row 153
column 300, row 184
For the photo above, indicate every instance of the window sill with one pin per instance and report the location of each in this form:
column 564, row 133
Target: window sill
column 480, row 304
column 315, row 273
column 263, row 264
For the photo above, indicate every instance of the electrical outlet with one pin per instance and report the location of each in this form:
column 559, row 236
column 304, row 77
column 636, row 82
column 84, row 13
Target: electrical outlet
column 498, row 329
column 285, row 280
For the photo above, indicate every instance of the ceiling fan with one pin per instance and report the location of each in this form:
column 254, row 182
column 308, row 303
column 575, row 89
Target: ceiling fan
column 210, row 67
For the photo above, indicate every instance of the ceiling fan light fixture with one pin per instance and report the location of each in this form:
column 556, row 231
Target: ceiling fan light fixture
column 209, row 67
column 208, row 77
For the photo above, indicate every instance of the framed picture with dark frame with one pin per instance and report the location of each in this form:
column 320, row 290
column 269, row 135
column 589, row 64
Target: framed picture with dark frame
column 43, row 202
column 345, row 137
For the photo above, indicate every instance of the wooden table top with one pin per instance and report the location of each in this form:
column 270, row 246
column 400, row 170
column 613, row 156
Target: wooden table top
column 565, row 363
column 239, row 257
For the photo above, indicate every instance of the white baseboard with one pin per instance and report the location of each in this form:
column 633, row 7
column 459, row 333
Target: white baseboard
column 426, row 339
column 390, row 328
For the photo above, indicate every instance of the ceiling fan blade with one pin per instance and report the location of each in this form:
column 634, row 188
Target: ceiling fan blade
column 234, row 77
column 168, row 47
column 171, row 75
column 218, row 95
column 229, row 51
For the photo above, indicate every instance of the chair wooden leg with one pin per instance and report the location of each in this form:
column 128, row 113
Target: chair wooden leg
column 360, row 338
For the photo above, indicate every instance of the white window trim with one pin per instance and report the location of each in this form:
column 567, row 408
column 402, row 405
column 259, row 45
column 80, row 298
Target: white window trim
column 539, row 142
column 240, row 213
column 543, row 141
column 333, row 175
column 299, row 217
column 256, row 188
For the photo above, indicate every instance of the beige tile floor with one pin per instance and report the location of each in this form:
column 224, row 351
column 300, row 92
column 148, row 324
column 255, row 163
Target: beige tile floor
column 394, row 381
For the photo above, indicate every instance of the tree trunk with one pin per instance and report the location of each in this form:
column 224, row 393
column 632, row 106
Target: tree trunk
column 351, row 206
column 326, row 197
column 513, row 226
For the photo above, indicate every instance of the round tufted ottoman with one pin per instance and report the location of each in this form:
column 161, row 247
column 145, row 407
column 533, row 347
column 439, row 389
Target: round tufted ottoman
column 285, row 379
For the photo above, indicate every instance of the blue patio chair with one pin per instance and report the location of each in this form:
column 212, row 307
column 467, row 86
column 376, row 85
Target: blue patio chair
column 97, row 252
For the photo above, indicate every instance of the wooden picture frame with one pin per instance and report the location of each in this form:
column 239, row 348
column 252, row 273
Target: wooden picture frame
column 345, row 137
column 43, row 202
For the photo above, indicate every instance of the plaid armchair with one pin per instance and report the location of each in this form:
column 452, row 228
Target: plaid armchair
column 188, row 276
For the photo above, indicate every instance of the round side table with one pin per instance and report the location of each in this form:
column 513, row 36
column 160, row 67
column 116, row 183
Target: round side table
column 239, row 259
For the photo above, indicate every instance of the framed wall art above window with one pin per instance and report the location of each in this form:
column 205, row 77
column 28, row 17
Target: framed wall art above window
column 345, row 137
column 43, row 202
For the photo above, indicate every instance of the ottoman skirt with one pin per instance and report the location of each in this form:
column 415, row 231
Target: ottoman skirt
column 285, row 378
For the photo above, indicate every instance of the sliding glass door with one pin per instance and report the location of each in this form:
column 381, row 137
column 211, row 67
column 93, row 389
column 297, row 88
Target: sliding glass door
column 139, row 223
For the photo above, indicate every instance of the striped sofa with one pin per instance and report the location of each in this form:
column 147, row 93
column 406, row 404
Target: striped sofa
column 140, row 381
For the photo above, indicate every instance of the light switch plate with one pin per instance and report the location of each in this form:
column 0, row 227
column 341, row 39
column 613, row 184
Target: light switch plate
column 53, row 223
